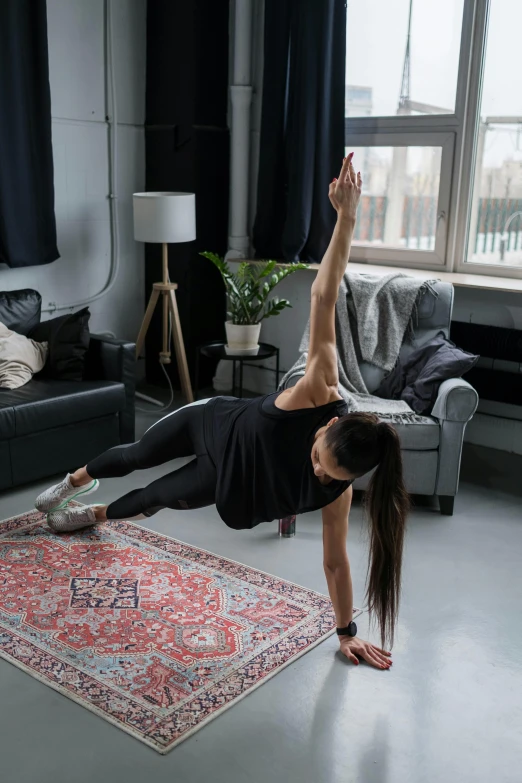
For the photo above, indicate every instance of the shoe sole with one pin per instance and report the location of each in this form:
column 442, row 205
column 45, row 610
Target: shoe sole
column 86, row 491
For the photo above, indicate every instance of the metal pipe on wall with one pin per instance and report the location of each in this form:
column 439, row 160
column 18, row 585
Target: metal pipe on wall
column 241, row 99
column 111, row 108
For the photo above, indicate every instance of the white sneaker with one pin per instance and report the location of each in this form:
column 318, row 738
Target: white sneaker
column 61, row 494
column 65, row 520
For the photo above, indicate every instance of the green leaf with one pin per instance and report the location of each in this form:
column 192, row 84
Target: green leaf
column 267, row 268
column 248, row 289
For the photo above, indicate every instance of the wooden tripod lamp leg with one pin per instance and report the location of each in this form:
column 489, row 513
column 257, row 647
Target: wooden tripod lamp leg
column 180, row 348
column 165, row 353
column 146, row 322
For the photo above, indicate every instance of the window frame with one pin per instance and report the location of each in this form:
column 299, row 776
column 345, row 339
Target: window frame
column 462, row 126
column 469, row 155
column 421, row 259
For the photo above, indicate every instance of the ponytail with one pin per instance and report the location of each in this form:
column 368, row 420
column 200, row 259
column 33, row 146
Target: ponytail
column 387, row 506
column 359, row 442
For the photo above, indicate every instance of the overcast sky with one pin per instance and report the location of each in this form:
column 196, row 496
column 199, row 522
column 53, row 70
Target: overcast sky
column 376, row 39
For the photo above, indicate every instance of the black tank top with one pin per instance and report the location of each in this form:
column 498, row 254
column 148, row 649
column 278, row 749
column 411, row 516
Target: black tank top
column 263, row 460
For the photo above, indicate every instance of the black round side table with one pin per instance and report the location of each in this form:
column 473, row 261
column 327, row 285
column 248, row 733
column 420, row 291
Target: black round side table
column 216, row 350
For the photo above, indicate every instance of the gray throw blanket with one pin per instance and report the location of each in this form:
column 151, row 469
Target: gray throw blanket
column 373, row 316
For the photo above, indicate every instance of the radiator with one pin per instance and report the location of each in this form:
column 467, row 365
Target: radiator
column 497, row 376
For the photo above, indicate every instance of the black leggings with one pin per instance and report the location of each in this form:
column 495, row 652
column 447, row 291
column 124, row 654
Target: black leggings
column 180, row 434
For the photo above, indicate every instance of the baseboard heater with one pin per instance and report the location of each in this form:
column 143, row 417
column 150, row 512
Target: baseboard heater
column 497, row 376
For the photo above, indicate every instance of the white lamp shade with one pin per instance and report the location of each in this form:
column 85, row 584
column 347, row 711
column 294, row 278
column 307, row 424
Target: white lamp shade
column 164, row 217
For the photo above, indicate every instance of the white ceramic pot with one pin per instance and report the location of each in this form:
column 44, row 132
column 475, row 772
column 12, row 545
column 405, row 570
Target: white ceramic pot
column 242, row 337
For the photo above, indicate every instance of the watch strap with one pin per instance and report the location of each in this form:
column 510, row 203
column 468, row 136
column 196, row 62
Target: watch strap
column 349, row 630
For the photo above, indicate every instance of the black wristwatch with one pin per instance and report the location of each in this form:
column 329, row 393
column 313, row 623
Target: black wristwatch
column 350, row 630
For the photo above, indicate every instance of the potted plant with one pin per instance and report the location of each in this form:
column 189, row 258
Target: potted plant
column 248, row 290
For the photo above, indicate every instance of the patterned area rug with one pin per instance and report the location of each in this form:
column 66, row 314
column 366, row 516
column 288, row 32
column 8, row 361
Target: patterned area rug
column 156, row 636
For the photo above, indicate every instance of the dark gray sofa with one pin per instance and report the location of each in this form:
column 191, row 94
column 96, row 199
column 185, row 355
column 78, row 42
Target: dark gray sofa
column 52, row 426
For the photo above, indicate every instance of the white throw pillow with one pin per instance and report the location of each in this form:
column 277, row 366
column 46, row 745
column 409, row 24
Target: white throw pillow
column 20, row 358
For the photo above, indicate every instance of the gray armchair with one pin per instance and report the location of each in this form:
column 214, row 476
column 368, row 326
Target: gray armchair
column 432, row 448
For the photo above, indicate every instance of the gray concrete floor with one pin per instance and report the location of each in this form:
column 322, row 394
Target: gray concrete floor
column 449, row 709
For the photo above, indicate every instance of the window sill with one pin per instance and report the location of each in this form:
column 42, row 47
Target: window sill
column 482, row 282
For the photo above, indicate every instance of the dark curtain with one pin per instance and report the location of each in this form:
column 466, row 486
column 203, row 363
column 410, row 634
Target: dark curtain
column 187, row 149
column 27, row 222
column 302, row 127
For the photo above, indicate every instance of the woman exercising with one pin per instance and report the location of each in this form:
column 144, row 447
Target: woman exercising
column 270, row 457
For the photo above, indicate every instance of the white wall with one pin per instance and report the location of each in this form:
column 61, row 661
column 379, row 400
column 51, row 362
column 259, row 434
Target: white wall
column 80, row 145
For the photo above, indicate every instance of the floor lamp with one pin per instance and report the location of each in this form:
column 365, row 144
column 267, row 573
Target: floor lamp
column 164, row 218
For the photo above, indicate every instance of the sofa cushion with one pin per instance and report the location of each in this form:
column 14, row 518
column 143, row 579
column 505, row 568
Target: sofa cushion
column 44, row 404
column 61, row 449
column 6, row 478
column 7, row 419
column 20, row 310
column 419, row 436
column 68, row 338
column 20, row 358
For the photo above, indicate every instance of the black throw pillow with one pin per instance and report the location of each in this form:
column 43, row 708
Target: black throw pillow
column 424, row 378
column 20, row 310
column 68, row 337
column 416, row 379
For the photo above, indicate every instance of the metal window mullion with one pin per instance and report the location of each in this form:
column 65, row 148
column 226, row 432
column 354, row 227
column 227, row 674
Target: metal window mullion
column 433, row 123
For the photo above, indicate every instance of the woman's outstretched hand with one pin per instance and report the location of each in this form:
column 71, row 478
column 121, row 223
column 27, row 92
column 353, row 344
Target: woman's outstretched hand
column 355, row 648
column 345, row 192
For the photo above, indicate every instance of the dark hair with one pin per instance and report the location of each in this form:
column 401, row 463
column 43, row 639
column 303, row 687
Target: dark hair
column 360, row 442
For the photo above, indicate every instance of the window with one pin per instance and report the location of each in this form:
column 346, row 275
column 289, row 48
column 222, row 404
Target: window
column 433, row 110
column 495, row 216
column 405, row 198
column 401, row 90
column 402, row 56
